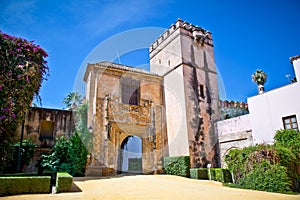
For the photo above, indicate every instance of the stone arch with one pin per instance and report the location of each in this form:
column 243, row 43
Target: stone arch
column 226, row 152
column 130, row 154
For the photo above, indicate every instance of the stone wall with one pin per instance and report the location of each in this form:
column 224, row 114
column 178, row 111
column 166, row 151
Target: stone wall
column 53, row 122
column 62, row 120
column 233, row 133
column 113, row 120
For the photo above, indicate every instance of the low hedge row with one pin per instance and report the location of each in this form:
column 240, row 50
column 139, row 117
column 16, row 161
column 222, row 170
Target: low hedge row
column 179, row 166
column 199, row 173
column 216, row 174
column 221, row 175
column 63, row 182
column 24, row 185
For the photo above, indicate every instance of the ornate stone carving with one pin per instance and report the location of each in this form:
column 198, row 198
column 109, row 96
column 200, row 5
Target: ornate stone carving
column 124, row 113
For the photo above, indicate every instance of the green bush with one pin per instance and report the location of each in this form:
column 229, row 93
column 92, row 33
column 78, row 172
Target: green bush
column 24, row 185
column 267, row 177
column 26, row 153
column 63, row 182
column 135, row 164
column 179, row 166
column 68, row 155
column 199, row 173
column 261, row 168
column 221, row 175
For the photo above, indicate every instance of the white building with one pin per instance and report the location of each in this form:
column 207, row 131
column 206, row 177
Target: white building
column 268, row 112
column 276, row 109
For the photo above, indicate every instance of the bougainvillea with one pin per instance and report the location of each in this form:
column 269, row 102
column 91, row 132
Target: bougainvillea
column 22, row 69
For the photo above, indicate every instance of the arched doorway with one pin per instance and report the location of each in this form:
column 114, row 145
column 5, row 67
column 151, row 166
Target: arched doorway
column 130, row 155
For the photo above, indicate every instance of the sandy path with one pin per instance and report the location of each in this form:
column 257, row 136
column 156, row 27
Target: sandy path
column 155, row 187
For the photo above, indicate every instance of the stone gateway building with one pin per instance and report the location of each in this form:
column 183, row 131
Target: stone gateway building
column 169, row 111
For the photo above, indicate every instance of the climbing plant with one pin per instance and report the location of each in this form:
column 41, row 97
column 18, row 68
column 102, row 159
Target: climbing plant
column 22, row 69
column 268, row 167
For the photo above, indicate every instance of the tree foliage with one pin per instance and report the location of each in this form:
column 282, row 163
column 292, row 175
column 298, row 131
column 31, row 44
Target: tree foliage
column 22, row 70
column 81, row 126
column 68, row 155
column 268, row 167
column 72, row 100
column 27, row 151
column 259, row 77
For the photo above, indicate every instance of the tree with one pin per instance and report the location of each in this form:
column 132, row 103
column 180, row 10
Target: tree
column 72, row 100
column 68, row 155
column 81, row 126
column 260, row 78
column 22, row 69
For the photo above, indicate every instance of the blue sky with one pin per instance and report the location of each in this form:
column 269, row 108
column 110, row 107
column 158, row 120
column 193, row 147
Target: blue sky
column 248, row 35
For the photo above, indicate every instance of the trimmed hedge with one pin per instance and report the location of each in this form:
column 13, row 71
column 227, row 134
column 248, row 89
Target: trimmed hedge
column 179, row 166
column 135, row 164
column 199, row 173
column 24, row 185
column 63, row 182
column 221, row 175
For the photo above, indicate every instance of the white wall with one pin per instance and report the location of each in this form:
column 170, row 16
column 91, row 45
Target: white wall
column 176, row 113
column 233, row 125
column 268, row 109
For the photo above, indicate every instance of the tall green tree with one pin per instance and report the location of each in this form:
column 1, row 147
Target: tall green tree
column 22, row 69
column 72, row 100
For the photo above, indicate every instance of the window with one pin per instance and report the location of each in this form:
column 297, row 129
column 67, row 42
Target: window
column 130, row 91
column 201, row 88
column 290, row 122
column 46, row 130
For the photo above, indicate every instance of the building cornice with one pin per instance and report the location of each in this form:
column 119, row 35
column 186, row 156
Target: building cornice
column 293, row 58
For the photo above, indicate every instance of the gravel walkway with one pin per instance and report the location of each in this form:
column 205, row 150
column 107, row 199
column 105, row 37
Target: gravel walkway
column 153, row 187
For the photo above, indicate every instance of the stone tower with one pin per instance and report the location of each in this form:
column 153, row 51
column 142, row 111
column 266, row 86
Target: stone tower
column 184, row 56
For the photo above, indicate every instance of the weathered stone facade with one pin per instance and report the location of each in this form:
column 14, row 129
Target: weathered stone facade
column 113, row 120
column 184, row 56
column 172, row 108
column 42, row 125
column 234, row 133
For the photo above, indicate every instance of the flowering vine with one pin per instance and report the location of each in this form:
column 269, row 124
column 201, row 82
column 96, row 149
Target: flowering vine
column 22, row 69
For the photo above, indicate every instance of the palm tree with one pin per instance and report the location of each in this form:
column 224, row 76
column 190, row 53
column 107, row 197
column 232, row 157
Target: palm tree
column 260, row 78
column 72, row 100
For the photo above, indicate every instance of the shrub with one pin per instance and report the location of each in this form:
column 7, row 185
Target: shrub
column 26, row 153
column 267, row 177
column 179, row 166
column 221, row 175
column 135, row 164
column 199, row 173
column 24, row 185
column 67, row 156
column 288, row 142
column 63, row 182
column 260, row 167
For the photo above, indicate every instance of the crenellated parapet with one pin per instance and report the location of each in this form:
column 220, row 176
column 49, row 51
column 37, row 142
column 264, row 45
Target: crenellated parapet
column 233, row 104
column 198, row 34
